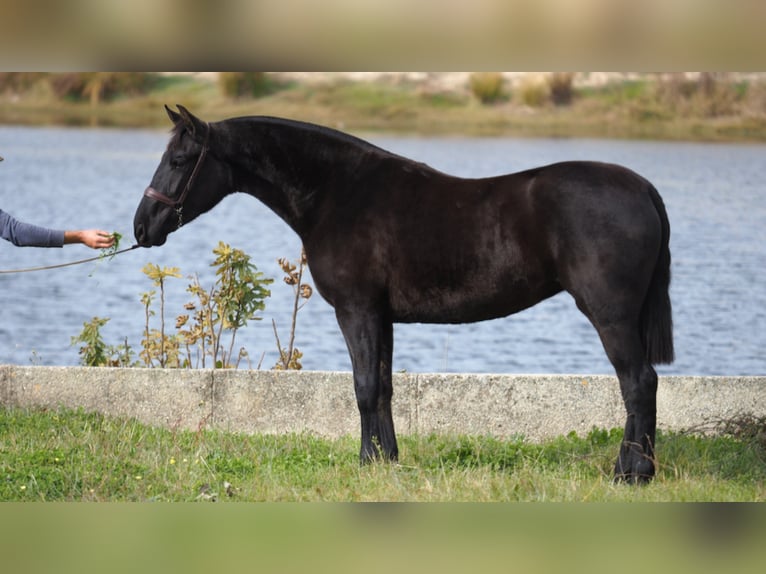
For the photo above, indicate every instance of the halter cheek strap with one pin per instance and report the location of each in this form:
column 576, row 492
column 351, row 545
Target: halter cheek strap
column 178, row 204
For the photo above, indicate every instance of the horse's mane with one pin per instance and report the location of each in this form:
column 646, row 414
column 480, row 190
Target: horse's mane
column 323, row 131
column 327, row 133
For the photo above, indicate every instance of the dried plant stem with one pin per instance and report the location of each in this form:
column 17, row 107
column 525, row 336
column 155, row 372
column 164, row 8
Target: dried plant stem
column 295, row 310
column 279, row 344
column 162, row 323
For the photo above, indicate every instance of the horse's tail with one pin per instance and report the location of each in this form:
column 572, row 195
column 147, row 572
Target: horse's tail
column 656, row 313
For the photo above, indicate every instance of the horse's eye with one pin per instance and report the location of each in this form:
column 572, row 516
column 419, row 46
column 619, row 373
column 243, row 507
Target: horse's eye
column 177, row 160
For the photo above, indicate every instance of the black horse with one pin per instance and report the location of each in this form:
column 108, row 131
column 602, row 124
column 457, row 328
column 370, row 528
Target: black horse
column 389, row 240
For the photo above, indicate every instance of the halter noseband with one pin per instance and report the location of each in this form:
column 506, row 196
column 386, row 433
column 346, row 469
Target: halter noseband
column 178, row 204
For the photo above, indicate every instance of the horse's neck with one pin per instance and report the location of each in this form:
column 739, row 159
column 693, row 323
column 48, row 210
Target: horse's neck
column 289, row 172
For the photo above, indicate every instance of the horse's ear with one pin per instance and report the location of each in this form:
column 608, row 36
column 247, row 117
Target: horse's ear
column 196, row 127
column 175, row 117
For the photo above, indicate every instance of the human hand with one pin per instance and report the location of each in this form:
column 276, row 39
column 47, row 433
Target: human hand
column 93, row 238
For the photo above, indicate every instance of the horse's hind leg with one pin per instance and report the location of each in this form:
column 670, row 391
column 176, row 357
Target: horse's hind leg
column 638, row 383
column 609, row 278
column 615, row 315
column 370, row 340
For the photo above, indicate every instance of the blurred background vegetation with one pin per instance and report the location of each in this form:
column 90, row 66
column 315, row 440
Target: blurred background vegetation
column 707, row 106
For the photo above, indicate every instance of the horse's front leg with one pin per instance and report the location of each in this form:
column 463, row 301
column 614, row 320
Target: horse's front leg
column 369, row 339
column 386, row 434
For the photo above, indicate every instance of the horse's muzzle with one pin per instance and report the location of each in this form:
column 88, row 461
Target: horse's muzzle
column 143, row 239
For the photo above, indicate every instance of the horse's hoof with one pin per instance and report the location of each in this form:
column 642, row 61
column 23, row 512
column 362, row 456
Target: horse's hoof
column 635, row 468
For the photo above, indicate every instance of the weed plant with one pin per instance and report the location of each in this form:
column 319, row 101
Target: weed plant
column 289, row 357
column 205, row 334
column 488, row 87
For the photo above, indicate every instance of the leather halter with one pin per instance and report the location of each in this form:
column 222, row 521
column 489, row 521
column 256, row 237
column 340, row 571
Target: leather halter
column 178, row 204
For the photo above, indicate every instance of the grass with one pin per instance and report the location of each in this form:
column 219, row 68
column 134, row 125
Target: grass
column 628, row 110
column 76, row 456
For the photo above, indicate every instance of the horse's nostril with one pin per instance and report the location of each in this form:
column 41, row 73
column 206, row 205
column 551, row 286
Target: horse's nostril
column 139, row 233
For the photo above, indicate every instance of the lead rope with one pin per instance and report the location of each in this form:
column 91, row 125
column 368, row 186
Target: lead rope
column 45, row 268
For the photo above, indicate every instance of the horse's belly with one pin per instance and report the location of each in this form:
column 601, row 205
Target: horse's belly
column 465, row 306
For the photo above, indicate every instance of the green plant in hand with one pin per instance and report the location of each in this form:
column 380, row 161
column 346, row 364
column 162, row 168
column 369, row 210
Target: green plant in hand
column 109, row 252
column 112, row 251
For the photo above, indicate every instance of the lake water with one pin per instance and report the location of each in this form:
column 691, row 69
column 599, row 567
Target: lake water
column 80, row 178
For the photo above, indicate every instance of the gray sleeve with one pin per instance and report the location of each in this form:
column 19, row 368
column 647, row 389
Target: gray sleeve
column 28, row 235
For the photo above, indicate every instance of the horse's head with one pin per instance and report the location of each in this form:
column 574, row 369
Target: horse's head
column 189, row 181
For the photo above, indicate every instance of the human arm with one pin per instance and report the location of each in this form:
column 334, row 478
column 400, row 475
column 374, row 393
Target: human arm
column 27, row 235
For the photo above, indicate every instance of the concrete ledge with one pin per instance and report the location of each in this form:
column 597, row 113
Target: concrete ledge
column 323, row 403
